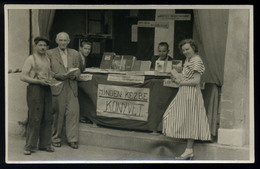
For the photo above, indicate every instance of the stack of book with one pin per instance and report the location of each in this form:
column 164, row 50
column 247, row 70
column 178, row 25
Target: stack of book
column 123, row 63
column 163, row 66
column 167, row 66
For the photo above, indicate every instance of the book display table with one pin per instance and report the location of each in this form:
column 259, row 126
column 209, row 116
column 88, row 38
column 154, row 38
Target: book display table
column 130, row 118
column 128, row 104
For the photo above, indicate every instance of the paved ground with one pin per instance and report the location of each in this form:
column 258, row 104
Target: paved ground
column 85, row 154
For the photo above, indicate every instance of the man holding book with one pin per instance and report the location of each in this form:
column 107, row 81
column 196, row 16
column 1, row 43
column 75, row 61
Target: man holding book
column 37, row 73
column 65, row 63
column 163, row 50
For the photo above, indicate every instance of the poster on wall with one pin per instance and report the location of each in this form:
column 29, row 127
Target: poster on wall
column 123, row 102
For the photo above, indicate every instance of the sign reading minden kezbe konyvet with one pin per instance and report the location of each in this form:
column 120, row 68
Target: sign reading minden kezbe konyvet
column 123, row 102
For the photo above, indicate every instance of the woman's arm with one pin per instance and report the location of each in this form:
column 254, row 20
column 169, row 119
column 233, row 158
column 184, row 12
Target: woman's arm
column 191, row 82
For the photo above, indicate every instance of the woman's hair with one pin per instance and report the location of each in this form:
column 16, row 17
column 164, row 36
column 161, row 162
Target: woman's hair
column 188, row 41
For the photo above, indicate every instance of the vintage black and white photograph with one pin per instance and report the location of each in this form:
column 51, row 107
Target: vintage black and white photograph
column 129, row 84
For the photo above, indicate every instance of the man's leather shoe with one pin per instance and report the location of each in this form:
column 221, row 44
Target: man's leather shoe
column 56, row 144
column 27, row 152
column 74, row 145
column 83, row 121
column 48, row 149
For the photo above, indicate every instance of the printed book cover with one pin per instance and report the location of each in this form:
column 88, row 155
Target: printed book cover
column 107, row 60
column 117, row 62
column 137, row 65
column 127, row 62
column 142, row 65
column 160, row 66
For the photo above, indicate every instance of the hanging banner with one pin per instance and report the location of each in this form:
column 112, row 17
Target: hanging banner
column 153, row 24
column 176, row 17
column 123, row 102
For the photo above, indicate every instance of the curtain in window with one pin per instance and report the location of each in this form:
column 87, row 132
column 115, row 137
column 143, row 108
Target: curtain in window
column 210, row 31
column 45, row 19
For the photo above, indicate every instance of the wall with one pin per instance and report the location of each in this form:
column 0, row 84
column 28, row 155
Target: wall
column 18, row 50
column 235, row 91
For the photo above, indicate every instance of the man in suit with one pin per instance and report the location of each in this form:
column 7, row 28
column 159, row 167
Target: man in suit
column 65, row 95
column 163, row 50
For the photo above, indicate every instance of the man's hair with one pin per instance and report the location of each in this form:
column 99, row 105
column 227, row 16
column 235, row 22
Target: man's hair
column 85, row 41
column 41, row 38
column 164, row 44
column 62, row 33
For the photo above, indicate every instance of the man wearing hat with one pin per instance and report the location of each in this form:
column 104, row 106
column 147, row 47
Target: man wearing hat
column 65, row 96
column 37, row 73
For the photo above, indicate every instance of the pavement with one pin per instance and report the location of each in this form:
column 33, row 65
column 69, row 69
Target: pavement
column 65, row 154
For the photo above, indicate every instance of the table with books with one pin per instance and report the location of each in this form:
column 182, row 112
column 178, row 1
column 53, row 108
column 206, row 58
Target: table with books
column 124, row 93
column 128, row 100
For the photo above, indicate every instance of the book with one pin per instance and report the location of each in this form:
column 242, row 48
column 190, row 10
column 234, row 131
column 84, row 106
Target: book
column 177, row 65
column 170, row 83
column 95, row 70
column 137, row 65
column 168, row 66
column 127, row 62
column 160, row 66
column 107, row 60
column 116, row 62
column 141, row 65
column 55, row 82
column 163, row 66
column 176, row 74
column 72, row 71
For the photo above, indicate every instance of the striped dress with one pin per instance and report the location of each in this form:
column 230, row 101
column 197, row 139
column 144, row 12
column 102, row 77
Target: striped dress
column 185, row 117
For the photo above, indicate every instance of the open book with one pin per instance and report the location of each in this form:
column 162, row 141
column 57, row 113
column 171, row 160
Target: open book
column 71, row 71
column 176, row 74
column 55, row 82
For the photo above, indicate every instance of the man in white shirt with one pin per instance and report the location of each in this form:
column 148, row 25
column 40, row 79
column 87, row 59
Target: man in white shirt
column 163, row 50
column 65, row 95
column 84, row 50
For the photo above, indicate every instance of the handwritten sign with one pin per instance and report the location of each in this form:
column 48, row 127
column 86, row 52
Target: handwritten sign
column 177, row 17
column 153, row 24
column 123, row 102
column 125, row 78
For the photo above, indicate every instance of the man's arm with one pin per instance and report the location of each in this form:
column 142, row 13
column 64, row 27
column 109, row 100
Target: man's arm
column 25, row 75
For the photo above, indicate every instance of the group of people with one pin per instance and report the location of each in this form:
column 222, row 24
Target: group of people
column 53, row 107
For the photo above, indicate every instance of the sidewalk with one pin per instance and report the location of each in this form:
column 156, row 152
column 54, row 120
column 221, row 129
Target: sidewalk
column 65, row 154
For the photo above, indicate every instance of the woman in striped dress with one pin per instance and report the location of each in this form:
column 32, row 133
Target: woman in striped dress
column 185, row 117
